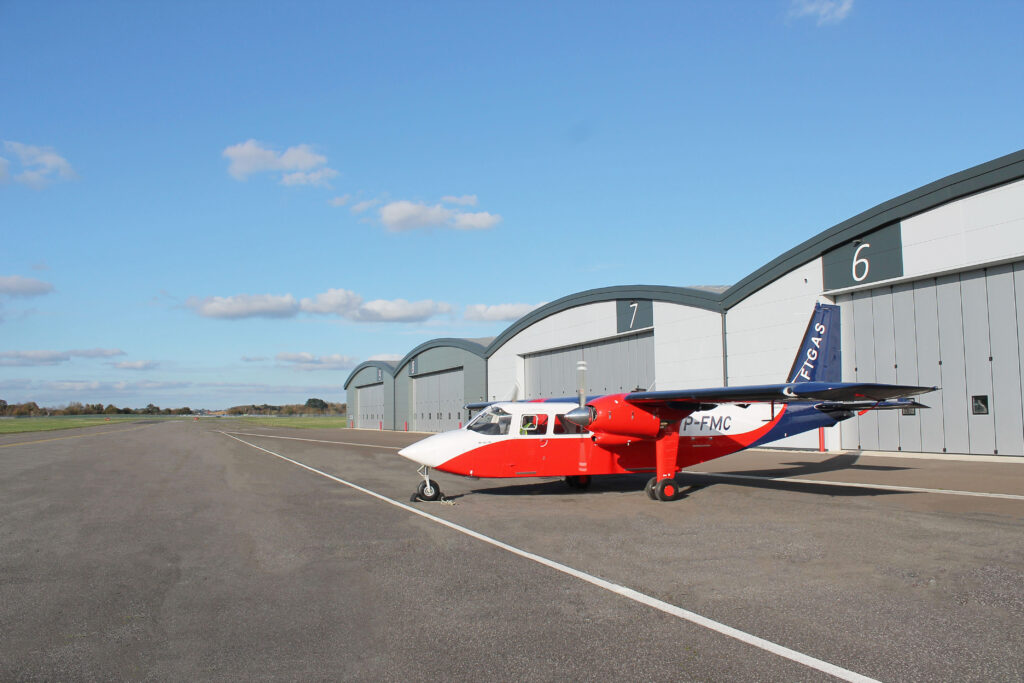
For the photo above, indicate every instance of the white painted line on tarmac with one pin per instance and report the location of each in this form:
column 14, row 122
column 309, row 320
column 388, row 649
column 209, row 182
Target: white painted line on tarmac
column 692, row 617
column 882, row 487
column 296, row 438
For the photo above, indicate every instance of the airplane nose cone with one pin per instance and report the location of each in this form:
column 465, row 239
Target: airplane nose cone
column 435, row 450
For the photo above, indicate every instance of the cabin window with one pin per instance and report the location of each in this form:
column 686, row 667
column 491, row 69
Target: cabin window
column 533, row 425
column 563, row 426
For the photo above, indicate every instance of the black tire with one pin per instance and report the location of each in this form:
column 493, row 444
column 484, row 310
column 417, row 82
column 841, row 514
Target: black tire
column 649, row 488
column 433, row 494
column 666, row 489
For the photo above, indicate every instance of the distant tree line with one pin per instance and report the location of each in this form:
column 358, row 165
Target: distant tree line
column 31, row 409
column 313, row 406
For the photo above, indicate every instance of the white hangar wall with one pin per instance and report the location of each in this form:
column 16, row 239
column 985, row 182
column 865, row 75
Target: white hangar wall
column 687, row 347
column 764, row 331
column 629, row 340
column 763, row 335
column 982, row 229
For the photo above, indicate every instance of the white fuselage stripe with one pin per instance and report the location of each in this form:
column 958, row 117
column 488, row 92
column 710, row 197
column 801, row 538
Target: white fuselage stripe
column 881, row 487
column 692, row 617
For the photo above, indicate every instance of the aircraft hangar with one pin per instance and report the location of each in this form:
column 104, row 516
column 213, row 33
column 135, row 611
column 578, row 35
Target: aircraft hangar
column 931, row 290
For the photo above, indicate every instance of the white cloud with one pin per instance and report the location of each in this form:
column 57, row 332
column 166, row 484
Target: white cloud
column 386, row 356
column 40, row 165
column 349, row 305
column 825, row 11
column 399, row 310
column 362, row 206
column 405, row 215
column 464, row 200
column 96, row 353
column 254, row 359
column 496, row 312
column 337, row 301
column 476, row 221
column 5, row 175
column 15, row 285
column 316, row 178
column 340, row 302
column 136, row 365
column 307, row 361
column 38, row 358
column 245, row 306
column 299, row 165
column 339, row 201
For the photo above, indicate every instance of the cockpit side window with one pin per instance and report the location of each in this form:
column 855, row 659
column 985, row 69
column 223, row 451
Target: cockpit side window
column 492, row 421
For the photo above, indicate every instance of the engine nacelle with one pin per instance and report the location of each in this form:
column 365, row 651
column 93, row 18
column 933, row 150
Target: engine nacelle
column 613, row 415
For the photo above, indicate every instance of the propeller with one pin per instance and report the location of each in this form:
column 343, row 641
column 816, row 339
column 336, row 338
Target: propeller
column 583, row 415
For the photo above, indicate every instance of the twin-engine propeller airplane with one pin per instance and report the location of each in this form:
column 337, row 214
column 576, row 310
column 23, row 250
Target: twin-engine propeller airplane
column 660, row 432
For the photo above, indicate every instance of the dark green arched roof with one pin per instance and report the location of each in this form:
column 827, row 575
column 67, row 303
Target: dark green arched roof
column 686, row 296
column 471, row 345
column 386, row 365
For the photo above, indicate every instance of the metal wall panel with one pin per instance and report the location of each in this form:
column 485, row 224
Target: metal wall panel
column 1018, row 288
column 863, row 318
column 963, row 333
column 884, row 338
column 905, row 334
column 929, row 372
column 371, row 406
column 438, row 400
column 849, row 430
column 1004, row 336
column 613, row 366
column 953, row 368
column 977, row 363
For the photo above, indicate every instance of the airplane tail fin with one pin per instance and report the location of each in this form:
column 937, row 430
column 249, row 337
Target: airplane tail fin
column 819, row 359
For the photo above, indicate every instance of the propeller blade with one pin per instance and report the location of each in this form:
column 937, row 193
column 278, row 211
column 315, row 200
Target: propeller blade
column 581, row 382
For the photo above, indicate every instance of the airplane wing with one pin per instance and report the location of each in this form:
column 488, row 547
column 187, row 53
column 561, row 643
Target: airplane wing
column 836, row 392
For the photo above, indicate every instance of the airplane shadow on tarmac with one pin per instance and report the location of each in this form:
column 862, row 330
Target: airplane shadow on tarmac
column 691, row 482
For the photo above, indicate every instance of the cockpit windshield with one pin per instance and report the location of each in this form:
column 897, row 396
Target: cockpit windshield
column 493, row 420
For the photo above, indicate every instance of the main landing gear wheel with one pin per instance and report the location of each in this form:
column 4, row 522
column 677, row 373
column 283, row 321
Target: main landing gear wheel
column 428, row 490
column 649, row 488
column 666, row 489
column 581, row 481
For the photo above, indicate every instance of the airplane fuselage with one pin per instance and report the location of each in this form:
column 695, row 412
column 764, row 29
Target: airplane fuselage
column 534, row 440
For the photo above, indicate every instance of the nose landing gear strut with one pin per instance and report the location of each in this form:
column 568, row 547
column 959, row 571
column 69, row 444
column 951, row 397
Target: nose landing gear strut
column 427, row 490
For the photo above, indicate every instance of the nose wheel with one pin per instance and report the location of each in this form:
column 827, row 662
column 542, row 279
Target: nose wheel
column 427, row 490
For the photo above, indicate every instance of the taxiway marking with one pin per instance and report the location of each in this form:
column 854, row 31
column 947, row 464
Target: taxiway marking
column 661, row 605
column 883, row 487
column 296, row 438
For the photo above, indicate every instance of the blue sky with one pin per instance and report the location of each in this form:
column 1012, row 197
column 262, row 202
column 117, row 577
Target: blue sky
column 210, row 204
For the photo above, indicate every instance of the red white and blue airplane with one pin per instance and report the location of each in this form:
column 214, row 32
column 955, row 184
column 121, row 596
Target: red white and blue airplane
column 660, row 432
